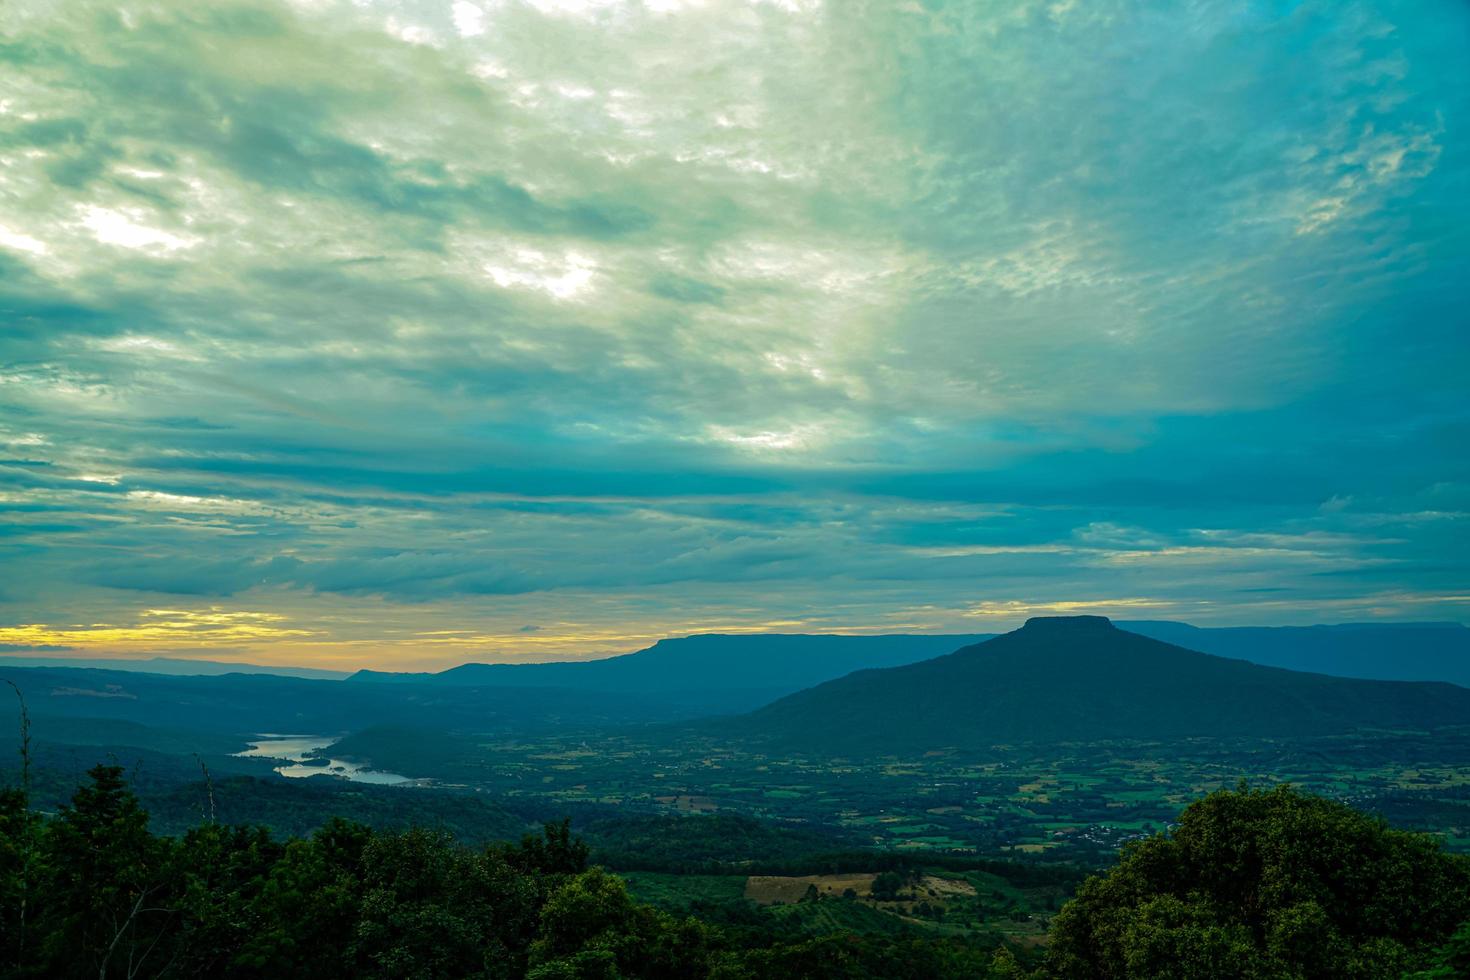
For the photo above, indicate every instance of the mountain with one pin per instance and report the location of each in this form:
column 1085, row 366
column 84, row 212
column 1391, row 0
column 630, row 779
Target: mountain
column 712, row 672
column 1081, row 679
column 247, row 703
column 781, row 664
column 173, row 666
column 671, row 681
column 1380, row 651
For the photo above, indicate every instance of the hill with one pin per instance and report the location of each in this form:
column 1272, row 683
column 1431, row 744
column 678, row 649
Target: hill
column 174, row 666
column 710, row 671
column 246, row 703
column 1081, row 679
column 1378, row 651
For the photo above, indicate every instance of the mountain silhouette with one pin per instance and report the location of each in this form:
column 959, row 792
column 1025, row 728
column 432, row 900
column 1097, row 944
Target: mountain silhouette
column 1081, row 679
column 1378, row 651
column 712, row 671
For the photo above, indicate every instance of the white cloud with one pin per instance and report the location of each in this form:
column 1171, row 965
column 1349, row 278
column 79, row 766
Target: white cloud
column 139, row 344
column 21, row 242
column 573, row 8
column 411, row 33
column 469, row 19
column 808, row 436
column 123, row 229
column 563, row 277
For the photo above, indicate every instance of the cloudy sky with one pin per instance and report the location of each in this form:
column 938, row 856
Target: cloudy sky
column 408, row 333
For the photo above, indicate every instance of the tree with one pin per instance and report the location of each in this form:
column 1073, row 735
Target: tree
column 308, row 905
column 555, row 852
column 1266, row 883
column 1453, row 959
column 591, row 928
column 17, row 843
column 108, row 892
column 421, row 913
column 18, row 830
column 887, row 885
column 220, row 875
column 590, row 910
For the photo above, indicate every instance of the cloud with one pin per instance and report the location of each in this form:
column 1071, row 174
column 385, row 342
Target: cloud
column 865, row 318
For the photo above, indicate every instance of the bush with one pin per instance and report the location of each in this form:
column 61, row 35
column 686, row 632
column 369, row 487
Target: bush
column 1266, row 884
column 887, row 886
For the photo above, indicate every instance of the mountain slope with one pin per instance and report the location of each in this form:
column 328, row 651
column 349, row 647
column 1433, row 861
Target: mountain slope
column 713, row 671
column 172, row 666
column 245, row 703
column 1082, row 679
column 1381, row 651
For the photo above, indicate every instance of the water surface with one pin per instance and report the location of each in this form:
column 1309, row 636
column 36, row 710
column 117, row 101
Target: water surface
column 295, row 752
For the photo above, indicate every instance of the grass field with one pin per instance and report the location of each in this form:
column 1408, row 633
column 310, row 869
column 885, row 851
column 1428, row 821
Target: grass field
column 770, row 889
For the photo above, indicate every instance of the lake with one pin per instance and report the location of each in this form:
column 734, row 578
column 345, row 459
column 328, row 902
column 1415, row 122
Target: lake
column 295, row 752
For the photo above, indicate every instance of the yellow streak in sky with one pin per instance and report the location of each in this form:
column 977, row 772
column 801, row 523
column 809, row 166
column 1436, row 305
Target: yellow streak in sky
column 1014, row 609
column 209, row 627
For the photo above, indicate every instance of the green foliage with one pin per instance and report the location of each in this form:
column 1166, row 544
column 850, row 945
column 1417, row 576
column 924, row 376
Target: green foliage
column 556, row 851
column 887, row 885
column 106, row 881
column 859, row 958
column 1266, row 884
column 296, row 807
column 590, row 927
column 701, row 843
column 221, row 876
column 679, row 892
column 1252, row 884
column 826, row 917
column 1453, row 959
column 109, row 898
column 17, row 847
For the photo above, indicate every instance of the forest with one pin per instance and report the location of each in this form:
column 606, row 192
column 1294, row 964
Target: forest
column 1249, row 883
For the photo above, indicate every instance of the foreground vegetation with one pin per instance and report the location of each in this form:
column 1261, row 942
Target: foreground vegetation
column 1252, row 884
column 1269, row 884
column 91, row 892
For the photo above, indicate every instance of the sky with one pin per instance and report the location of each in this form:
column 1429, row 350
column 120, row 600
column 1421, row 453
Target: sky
column 403, row 334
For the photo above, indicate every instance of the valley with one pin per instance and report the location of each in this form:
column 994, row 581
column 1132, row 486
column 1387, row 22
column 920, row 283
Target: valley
column 1058, row 742
column 1074, row 803
column 960, row 798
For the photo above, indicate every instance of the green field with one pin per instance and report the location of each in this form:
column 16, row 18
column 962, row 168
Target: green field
column 1077, row 803
column 678, row 891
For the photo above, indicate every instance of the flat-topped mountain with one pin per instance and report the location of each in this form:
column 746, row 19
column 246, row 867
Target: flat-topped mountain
column 1081, row 679
column 729, row 672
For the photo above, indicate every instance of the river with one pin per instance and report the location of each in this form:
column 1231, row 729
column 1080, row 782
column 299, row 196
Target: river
column 294, row 752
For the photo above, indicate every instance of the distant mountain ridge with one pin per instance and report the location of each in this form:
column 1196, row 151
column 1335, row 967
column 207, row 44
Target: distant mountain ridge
column 248, row 703
column 733, row 672
column 172, row 666
column 1377, row 651
column 683, row 678
column 776, row 663
column 1066, row 679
